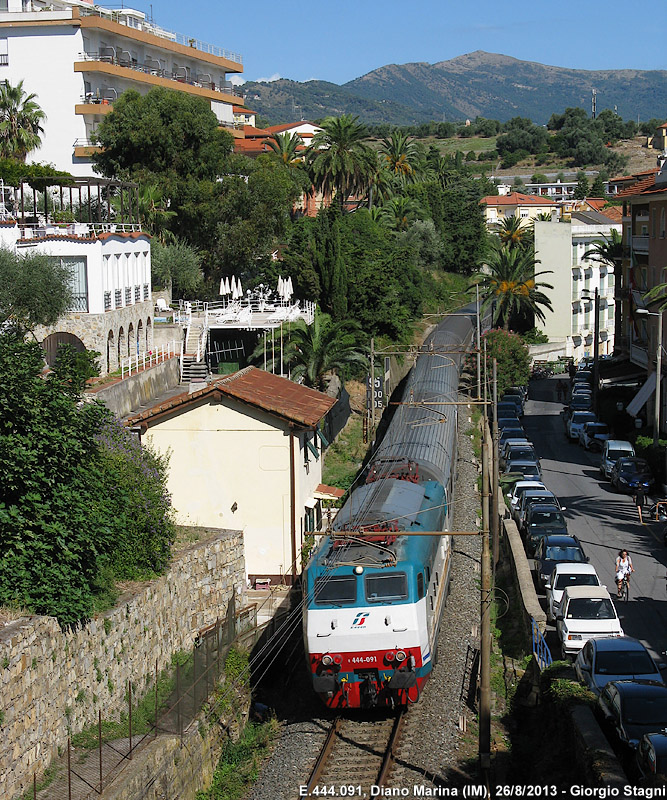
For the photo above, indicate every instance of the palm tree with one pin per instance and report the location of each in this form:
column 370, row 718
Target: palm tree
column 313, row 351
column 509, row 281
column 20, row 122
column 607, row 250
column 400, row 155
column 153, row 211
column 399, row 212
column 340, row 161
column 286, row 146
column 513, row 233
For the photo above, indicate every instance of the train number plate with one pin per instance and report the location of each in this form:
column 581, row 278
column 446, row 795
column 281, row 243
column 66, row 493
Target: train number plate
column 363, row 659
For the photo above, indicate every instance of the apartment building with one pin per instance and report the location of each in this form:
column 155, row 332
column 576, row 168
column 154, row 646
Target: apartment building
column 78, row 58
column 516, row 204
column 560, row 248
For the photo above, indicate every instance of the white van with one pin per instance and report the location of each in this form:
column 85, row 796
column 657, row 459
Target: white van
column 612, row 450
column 585, row 612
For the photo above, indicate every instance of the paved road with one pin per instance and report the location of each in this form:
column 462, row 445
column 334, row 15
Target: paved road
column 604, row 520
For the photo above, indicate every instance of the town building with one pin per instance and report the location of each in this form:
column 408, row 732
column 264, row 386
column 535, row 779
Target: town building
column 78, row 58
column 246, row 454
column 515, row 204
column 644, row 266
column 560, row 249
column 110, row 262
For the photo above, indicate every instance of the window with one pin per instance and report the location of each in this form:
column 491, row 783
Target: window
column 341, row 589
column 386, row 587
column 662, row 223
column 420, row 585
column 78, row 281
column 4, row 52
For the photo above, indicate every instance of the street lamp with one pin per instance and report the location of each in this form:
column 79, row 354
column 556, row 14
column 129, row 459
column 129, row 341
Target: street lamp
column 658, row 371
column 596, row 344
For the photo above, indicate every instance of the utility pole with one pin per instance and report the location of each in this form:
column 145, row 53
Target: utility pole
column 485, row 614
column 479, row 348
column 596, row 350
column 372, row 372
column 495, row 532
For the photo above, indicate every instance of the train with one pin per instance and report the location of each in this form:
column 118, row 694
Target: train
column 373, row 589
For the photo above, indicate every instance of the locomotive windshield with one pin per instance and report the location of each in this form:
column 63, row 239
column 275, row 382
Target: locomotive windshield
column 390, row 586
column 336, row 589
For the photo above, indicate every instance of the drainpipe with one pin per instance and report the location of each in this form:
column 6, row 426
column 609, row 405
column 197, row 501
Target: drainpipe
column 292, row 499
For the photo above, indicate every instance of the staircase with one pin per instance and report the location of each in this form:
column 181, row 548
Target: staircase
column 194, row 371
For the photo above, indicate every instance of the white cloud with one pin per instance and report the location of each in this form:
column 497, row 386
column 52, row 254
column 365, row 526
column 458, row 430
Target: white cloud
column 236, row 80
column 275, row 77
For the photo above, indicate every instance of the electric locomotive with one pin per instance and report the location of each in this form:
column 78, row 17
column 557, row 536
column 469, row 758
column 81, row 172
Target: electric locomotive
column 374, row 589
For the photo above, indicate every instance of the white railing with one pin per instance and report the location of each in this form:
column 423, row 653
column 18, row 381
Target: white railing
column 80, row 230
column 201, row 344
column 140, row 361
column 244, row 312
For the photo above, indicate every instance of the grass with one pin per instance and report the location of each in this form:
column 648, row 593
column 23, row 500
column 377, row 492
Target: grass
column 343, row 459
column 239, row 764
column 451, row 146
column 143, row 713
column 50, row 774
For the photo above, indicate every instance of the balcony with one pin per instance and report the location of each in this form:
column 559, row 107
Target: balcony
column 640, row 244
column 84, row 148
column 109, row 62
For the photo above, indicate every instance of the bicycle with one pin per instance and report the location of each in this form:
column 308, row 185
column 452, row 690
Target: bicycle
column 624, row 596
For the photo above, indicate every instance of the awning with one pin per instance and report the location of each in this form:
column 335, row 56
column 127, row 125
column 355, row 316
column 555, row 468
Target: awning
column 619, row 370
column 311, row 502
column 324, row 492
column 639, row 400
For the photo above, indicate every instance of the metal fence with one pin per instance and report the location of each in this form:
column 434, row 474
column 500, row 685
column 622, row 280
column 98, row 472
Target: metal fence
column 94, row 757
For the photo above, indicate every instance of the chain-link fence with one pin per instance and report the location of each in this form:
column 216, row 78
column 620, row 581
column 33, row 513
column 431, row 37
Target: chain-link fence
column 96, row 755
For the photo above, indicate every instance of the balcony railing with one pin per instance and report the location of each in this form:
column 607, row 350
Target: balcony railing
column 79, row 303
column 156, row 30
column 145, row 291
column 79, row 230
column 128, row 296
column 137, row 294
column 225, row 87
column 640, row 244
column 118, row 298
column 107, row 301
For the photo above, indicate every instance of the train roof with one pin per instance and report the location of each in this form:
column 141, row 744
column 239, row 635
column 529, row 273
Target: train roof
column 392, row 501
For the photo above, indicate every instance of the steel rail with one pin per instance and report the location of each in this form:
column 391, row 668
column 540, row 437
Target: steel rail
column 327, row 747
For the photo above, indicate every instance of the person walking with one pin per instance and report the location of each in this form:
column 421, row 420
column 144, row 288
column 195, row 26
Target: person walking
column 623, row 569
column 640, row 498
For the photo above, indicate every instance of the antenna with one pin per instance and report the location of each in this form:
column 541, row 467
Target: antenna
column 594, row 102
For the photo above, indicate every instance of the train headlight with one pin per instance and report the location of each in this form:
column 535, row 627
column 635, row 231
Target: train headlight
column 400, row 656
column 327, row 661
column 389, row 657
column 358, row 570
column 338, row 660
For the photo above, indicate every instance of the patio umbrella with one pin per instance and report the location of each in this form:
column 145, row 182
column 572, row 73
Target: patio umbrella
column 222, row 287
column 227, row 289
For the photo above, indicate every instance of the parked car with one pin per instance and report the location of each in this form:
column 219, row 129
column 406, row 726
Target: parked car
column 553, row 549
column 586, row 612
column 567, row 574
column 519, row 455
column 624, row 659
column 509, row 422
column 652, row 755
column 530, row 497
column 629, row 474
column 517, row 491
column 511, row 401
column 508, row 444
column 581, row 403
column 632, row 708
column 612, row 450
column 529, row 469
column 577, row 421
column 583, row 375
column 593, row 435
column 511, row 433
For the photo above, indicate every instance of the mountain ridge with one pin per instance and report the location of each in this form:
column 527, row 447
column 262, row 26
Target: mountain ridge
column 483, row 84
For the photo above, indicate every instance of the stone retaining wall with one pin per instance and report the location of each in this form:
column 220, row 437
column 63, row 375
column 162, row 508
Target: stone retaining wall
column 128, row 395
column 53, row 682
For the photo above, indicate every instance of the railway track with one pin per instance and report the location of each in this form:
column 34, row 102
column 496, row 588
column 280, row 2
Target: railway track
column 357, row 754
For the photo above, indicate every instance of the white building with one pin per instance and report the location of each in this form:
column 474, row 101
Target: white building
column 560, row 248
column 78, row 58
column 246, row 454
column 112, row 308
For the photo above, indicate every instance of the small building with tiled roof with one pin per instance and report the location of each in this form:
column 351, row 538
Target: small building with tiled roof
column 246, row 454
column 516, row 204
column 659, row 139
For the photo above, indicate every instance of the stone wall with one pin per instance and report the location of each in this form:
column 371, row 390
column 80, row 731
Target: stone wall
column 53, row 680
column 129, row 394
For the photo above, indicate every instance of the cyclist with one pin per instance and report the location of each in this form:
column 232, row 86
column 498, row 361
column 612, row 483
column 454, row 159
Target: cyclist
column 623, row 569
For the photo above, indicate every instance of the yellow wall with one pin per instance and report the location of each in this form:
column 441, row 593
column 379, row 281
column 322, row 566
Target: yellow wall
column 226, row 453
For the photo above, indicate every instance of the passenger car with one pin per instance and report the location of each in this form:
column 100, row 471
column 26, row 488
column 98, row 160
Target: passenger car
column 529, row 497
column 529, row 469
column 511, row 433
column 552, row 549
column 652, row 755
column 567, row 574
column 519, row 454
column 586, row 612
column 612, row 450
column 577, row 421
column 629, row 474
column 517, row 493
column 593, row 435
column 604, row 660
column 633, row 708
column 581, row 403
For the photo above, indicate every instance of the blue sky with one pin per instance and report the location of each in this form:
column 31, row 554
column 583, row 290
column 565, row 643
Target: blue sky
column 340, row 40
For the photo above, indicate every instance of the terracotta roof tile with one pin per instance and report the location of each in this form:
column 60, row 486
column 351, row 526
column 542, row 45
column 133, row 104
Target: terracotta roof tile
column 242, row 110
column 271, row 393
column 639, row 187
column 517, row 199
column 331, row 491
column 250, row 130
